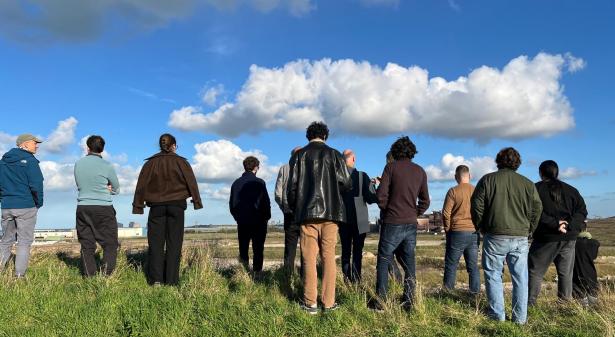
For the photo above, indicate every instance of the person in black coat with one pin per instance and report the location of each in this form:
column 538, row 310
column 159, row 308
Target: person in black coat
column 562, row 218
column 585, row 278
column 250, row 206
column 355, row 229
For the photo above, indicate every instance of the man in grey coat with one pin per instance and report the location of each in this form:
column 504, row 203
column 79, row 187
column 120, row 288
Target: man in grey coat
column 291, row 230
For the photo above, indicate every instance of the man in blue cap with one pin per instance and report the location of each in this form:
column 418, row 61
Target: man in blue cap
column 21, row 195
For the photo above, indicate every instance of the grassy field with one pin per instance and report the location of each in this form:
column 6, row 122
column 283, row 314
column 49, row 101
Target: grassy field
column 218, row 298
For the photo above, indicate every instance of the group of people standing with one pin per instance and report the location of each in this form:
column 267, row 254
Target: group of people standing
column 322, row 194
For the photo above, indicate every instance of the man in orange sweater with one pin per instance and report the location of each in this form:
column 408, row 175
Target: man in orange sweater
column 461, row 236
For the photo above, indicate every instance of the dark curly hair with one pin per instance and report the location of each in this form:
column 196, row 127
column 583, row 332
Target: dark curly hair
column 508, row 158
column 317, row 130
column 403, row 148
column 250, row 163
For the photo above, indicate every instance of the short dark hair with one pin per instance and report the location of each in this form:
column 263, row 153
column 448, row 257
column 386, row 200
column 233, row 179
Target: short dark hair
column 250, row 163
column 403, row 148
column 317, row 130
column 462, row 169
column 166, row 142
column 508, row 158
column 96, row 144
column 549, row 169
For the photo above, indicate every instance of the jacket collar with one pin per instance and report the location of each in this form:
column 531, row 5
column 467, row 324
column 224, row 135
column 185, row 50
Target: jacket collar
column 248, row 173
column 164, row 154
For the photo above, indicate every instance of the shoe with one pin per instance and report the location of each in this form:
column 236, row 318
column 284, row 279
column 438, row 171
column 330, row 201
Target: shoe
column 334, row 307
column 375, row 306
column 157, row 284
column 20, row 276
column 310, row 309
column 407, row 306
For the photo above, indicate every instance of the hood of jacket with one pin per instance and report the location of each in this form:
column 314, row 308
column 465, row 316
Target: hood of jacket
column 16, row 154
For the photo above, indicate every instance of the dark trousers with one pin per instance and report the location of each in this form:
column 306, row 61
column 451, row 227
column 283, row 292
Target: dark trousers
column 257, row 234
column 458, row 244
column 394, row 236
column 165, row 229
column 352, row 251
column 540, row 257
column 97, row 224
column 292, row 232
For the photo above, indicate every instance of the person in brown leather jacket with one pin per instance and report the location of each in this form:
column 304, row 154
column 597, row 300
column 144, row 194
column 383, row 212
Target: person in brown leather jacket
column 165, row 182
column 318, row 177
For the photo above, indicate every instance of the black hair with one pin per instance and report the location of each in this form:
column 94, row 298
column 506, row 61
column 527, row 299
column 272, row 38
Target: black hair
column 508, row 158
column 166, row 142
column 461, row 169
column 250, row 163
column 549, row 171
column 96, row 144
column 317, row 130
column 403, row 148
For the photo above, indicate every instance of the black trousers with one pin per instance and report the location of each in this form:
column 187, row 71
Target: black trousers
column 352, row 251
column 165, row 229
column 257, row 234
column 97, row 224
column 292, row 232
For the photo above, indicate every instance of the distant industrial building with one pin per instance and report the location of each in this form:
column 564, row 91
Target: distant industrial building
column 135, row 232
column 55, row 234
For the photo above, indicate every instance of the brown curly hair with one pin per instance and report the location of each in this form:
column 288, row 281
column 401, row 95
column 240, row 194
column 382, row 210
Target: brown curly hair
column 508, row 158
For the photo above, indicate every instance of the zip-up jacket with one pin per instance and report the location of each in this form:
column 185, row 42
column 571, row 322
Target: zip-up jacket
column 21, row 180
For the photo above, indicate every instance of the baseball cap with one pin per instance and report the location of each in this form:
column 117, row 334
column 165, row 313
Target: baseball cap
column 26, row 137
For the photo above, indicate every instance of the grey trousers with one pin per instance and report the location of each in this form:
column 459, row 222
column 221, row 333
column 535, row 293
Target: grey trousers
column 540, row 257
column 17, row 225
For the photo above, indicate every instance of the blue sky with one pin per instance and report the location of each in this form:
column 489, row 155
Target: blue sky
column 236, row 77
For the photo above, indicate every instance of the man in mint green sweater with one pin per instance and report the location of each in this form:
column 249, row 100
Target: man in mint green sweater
column 96, row 181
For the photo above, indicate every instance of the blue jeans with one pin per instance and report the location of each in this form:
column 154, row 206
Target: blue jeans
column 466, row 244
column 496, row 249
column 393, row 236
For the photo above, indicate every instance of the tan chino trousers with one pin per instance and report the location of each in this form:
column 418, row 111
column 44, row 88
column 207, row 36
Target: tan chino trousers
column 319, row 237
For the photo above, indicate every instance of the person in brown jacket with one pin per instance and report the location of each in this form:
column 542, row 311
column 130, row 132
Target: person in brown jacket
column 165, row 182
column 461, row 236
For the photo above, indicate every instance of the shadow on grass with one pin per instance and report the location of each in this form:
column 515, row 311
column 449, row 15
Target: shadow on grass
column 72, row 261
column 289, row 285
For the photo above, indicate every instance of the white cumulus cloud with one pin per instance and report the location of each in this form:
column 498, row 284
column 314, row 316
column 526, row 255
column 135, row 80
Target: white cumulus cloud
column 575, row 173
column 212, row 94
column 523, row 99
column 294, row 7
column 222, row 161
column 62, row 136
column 479, row 166
column 58, row 176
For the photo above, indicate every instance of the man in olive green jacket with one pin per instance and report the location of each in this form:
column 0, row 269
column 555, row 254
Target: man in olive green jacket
column 506, row 208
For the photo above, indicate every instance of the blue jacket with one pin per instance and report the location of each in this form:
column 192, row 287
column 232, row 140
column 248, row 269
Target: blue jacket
column 21, row 180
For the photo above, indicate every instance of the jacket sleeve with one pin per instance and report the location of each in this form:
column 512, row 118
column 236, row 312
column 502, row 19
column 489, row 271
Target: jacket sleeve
column 579, row 213
column 341, row 171
column 35, row 182
column 264, row 204
column 112, row 178
column 447, row 208
column 232, row 202
column 369, row 190
column 138, row 202
column 193, row 186
column 383, row 189
column 291, row 190
column 536, row 210
column 478, row 204
column 424, row 200
column 279, row 188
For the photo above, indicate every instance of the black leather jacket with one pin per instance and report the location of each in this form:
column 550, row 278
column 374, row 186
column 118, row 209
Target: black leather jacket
column 318, row 176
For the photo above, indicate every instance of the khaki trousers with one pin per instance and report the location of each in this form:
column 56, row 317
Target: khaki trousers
column 319, row 237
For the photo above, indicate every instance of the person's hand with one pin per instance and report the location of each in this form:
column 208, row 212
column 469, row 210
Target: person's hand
column 109, row 188
column 376, row 180
column 562, row 226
